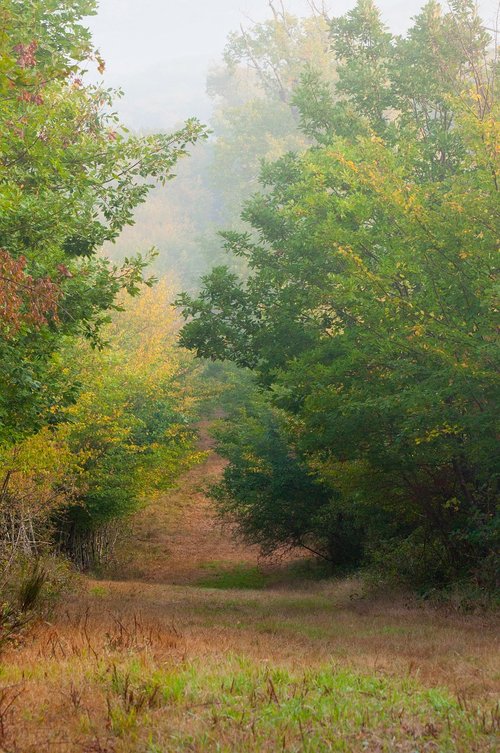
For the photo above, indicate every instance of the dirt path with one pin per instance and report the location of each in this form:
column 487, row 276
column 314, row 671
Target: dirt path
column 177, row 536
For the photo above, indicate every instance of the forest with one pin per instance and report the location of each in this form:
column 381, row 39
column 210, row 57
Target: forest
column 249, row 389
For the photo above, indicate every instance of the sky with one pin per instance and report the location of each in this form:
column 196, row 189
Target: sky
column 159, row 51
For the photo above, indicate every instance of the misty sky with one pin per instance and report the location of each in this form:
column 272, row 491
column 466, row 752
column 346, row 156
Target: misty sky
column 158, row 51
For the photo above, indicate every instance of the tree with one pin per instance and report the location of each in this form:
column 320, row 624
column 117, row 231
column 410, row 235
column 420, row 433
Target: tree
column 270, row 495
column 369, row 307
column 130, row 428
column 126, row 436
column 70, row 179
column 255, row 116
column 253, row 119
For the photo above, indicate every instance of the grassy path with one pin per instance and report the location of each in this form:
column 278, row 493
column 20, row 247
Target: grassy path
column 177, row 536
column 153, row 661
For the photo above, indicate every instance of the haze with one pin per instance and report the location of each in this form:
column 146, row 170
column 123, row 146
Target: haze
column 158, row 51
column 249, row 377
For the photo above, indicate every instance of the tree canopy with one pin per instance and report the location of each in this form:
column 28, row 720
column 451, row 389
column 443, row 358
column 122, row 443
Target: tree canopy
column 70, row 179
column 368, row 311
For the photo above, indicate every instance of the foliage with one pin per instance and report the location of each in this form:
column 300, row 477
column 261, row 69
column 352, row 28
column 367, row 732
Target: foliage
column 70, row 179
column 130, row 427
column 78, row 429
column 269, row 493
column 34, row 483
column 255, row 116
column 369, row 307
column 253, row 119
column 126, row 435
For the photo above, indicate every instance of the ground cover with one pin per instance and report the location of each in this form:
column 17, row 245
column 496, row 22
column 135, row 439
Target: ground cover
column 199, row 645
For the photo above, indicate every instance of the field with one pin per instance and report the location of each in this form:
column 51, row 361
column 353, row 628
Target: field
column 196, row 645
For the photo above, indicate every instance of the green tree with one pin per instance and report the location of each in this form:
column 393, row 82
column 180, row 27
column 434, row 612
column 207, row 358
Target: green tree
column 70, row 179
column 270, row 494
column 369, row 307
column 126, row 436
column 130, row 430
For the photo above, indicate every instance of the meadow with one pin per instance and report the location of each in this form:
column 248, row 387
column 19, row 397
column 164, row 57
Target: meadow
column 232, row 653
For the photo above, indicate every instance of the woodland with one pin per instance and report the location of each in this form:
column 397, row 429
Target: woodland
column 248, row 392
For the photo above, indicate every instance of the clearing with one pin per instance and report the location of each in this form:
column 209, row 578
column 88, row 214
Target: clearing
column 196, row 645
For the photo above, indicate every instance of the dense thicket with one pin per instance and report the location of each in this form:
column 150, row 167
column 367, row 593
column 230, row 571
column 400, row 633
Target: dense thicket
column 72, row 427
column 368, row 310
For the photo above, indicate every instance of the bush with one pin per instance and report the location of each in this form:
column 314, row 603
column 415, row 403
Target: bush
column 271, row 496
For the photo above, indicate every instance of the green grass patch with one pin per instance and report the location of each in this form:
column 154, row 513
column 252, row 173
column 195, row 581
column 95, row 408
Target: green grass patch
column 250, row 709
column 238, row 577
column 99, row 592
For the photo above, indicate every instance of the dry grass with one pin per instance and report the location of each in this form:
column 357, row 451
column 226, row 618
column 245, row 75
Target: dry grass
column 152, row 663
column 184, row 671
column 177, row 534
column 329, row 622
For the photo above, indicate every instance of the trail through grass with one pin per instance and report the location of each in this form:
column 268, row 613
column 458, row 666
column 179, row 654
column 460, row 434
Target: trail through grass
column 197, row 645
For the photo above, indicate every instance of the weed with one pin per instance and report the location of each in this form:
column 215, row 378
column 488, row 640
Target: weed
column 31, row 587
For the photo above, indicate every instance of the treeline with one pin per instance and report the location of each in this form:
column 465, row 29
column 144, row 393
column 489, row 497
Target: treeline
column 357, row 291
column 94, row 405
column 365, row 306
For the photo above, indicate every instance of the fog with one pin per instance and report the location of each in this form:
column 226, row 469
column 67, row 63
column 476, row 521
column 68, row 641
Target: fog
column 158, row 51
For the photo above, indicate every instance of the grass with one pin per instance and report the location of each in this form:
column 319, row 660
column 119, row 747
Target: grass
column 226, row 576
column 215, row 671
column 242, row 707
column 98, row 592
column 195, row 648
column 127, row 701
column 237, row 577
